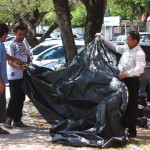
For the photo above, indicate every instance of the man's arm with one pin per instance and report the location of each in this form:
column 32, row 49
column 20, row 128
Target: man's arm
column 17, row 66
column 107, row 42
column 117, row 48
column 13, row 59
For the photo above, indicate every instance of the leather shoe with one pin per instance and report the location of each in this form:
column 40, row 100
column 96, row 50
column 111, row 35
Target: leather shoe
column 2, row 131
column 7, row 125
column 131, row 135
column 19, row 124
column 8, row 122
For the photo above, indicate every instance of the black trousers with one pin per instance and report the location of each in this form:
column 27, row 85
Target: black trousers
column 2, row 107
column 17, row 98
column 130, row 116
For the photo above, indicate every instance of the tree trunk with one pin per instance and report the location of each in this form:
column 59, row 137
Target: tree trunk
column 64, row 22
column 95, row 14
column 32, row 23
column 144, row 17
column 48, row 32
column 31, row 37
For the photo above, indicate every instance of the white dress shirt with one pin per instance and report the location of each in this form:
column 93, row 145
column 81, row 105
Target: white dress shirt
column 132, row 60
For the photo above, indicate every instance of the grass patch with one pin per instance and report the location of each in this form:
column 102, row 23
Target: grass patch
column 133, row 144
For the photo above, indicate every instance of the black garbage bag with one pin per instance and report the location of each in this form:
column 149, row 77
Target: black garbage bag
column 85, row 101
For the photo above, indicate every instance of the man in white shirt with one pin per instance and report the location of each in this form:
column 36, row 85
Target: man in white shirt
column 131, row 66
column 20, row 49
column 3, row 75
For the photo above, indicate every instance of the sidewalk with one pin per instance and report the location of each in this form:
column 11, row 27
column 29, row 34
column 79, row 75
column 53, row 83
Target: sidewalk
column 30, row 138
column 25, row 138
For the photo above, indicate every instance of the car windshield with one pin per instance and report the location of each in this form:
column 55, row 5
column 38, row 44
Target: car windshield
column 40, row 49
column 57, row 52
column 119, row 38
column 54, row 53
column 145, row 37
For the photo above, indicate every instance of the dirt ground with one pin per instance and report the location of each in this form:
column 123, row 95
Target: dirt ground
column 36, row 136
column 142, row 134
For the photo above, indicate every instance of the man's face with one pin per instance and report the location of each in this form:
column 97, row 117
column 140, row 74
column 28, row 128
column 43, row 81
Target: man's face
column 4, row 37
column 131, row 42
column 20, row 35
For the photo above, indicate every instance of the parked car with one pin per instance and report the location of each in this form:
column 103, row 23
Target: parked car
column 39, row 35
column 121, row 39
column 53, row 54
column 6, row 44
column 145, row 38
column 77, row 36
column 60, row 63
column 43, row 46
column 8, row 40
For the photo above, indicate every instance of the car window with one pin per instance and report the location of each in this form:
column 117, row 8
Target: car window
column 75, row 36
column 10, row 38
column 54, row 53
column 57, row 52
column 146, row 38
column 40, row 49
column 119, row 38
column 124, row 38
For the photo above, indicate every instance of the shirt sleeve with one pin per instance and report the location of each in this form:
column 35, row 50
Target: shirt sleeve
column 28, row 48
column 10, row 50
column 140, row 65
column 121, row 48
column 117, row 48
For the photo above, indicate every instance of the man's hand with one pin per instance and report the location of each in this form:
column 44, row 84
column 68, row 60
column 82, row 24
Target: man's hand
column 13, row 59
column 98, row 35
column 16, row 65
column 17, row 61
column 122, row 75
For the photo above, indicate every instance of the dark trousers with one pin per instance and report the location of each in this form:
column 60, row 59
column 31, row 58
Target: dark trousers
column 2, row 107
column 130, row 116
column 17, row 97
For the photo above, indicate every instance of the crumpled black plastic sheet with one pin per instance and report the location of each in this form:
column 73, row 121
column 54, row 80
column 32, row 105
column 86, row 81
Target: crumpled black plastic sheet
column 85, row 101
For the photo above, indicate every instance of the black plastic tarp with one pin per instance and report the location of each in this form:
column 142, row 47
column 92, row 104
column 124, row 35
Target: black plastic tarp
column 83, row 102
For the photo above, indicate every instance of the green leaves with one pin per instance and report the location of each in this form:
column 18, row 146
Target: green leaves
column 79, row 16
column 128, row 8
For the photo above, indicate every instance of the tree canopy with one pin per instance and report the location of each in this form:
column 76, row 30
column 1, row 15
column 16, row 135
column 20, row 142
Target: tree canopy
column 130, row 9
column 79, row 16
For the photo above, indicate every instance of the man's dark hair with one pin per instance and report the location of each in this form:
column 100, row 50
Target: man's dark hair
column 3, row 29
column 19, row 27
column 135, row 35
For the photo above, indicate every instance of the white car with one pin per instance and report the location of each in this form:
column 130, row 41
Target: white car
column 77, row 36
column 53, row 55
column 121, row 39
column 8, row 40
column 145, row 38
column 44, row 46
column 60, row 63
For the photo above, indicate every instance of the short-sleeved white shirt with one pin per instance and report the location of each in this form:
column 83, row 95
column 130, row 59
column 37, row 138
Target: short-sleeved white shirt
column 20, row 51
